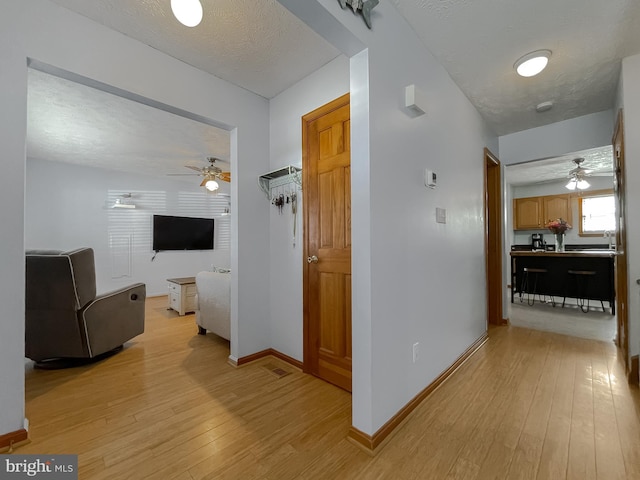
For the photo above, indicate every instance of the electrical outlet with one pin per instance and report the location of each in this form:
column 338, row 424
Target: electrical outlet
column 415, row 351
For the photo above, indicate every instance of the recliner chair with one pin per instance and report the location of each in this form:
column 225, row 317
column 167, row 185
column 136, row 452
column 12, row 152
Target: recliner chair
column 64, row 317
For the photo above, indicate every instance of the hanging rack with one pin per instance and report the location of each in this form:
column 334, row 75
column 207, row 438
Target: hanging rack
column 279, row 177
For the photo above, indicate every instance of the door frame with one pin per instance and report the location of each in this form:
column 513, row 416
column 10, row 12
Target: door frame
column 493, row 237
column 622, row 277
column 306, row 294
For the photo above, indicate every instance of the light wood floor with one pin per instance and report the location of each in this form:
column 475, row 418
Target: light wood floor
column 529, row 404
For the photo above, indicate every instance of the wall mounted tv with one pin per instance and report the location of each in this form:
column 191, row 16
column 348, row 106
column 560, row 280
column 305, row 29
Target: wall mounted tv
column 182, row 233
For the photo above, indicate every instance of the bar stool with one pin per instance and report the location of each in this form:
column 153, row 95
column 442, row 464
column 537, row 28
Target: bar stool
column 530, row 276
column 581, row 284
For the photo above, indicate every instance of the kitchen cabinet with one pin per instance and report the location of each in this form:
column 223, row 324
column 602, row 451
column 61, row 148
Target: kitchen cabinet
column 527, row 213
column 556, row 206
column 533, row 213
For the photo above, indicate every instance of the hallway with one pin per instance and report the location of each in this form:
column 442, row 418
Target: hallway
column 528, row 404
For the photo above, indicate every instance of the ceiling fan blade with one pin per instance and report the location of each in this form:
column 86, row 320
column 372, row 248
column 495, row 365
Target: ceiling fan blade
column 225, row 176
column 183, row 174
column 197, row 169
column 206, row 179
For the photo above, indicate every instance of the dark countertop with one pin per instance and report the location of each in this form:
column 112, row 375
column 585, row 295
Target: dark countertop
column 573, row 253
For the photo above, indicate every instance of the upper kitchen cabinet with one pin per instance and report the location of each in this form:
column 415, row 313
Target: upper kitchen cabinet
column 533, row 213
column 527, row 213
column 556, row 206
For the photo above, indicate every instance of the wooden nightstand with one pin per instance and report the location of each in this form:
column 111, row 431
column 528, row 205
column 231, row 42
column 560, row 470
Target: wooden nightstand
column 182, row 294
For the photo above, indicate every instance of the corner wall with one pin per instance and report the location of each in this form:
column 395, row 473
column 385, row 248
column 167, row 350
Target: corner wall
column 630, row 98
column 285, row 114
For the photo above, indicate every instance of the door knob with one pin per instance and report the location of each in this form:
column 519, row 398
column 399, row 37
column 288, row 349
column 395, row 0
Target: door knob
column 312, row 259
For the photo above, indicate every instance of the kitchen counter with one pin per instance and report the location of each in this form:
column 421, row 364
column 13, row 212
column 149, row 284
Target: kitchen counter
column 558, row 282
column 571, row 253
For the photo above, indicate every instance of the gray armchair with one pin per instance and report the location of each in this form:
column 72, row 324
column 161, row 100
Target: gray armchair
column 64, row 317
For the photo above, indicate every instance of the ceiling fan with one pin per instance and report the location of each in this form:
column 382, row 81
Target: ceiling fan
column 211, row 173
column 577, row 176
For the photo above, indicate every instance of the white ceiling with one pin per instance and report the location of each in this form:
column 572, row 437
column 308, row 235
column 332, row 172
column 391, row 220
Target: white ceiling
column 260, row 46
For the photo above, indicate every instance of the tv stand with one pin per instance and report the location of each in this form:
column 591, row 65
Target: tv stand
column 182, row 294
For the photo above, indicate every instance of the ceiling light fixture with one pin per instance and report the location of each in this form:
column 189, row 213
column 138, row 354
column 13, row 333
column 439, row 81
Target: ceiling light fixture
column 188, row 12
column 211, row 185
column 576, row 176
column 579, row 183
column 544, row 107
column 532, row 63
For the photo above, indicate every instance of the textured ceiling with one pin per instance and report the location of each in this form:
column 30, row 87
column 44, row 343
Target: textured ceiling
column 478, row 42
column 73, row 123
column 256, row 44
column 598, row 160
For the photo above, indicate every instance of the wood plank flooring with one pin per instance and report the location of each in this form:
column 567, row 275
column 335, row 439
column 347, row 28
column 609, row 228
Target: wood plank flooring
column 527, row 405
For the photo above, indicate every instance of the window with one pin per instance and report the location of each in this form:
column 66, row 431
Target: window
column 597, row 214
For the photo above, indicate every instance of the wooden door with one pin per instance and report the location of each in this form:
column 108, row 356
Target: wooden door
column 493, row 237
column 622, row 339
column 327, row 238
column 527, row 213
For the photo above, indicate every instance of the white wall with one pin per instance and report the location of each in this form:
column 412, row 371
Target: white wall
column 571, row 236
column 581, row 133
column 53, row 35
column 13, row 123
column 286, row 110
column 65, row 209
column 407, row 270
column 631, row 104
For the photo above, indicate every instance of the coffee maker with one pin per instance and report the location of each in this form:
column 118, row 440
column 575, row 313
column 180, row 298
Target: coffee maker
column 537, row 243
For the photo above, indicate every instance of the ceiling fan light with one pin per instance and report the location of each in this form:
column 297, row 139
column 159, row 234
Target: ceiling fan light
column 532, row 63
column 582, row 184
column 571, row 185
column 211, row 185
column 188, row 12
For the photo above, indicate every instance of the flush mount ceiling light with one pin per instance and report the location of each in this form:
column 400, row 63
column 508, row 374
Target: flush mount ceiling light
column 532, row 63
column 188, row 12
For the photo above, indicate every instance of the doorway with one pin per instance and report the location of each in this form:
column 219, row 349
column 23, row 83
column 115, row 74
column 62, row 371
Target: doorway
column 546, row 181
column 326, row 161
column 493, row 237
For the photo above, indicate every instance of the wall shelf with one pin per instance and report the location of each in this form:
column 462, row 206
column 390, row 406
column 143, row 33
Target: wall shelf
column 279, row 177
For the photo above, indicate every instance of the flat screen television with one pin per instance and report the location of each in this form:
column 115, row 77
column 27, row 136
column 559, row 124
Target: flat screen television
column 182, row 233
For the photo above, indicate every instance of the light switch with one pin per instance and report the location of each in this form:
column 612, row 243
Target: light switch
column 441, row 215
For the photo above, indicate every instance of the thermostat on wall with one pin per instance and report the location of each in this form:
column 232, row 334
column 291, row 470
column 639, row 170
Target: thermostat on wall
column 430, row 179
